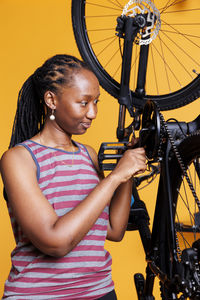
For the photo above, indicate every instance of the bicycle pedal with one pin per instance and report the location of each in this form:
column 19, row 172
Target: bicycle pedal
column 110, row 152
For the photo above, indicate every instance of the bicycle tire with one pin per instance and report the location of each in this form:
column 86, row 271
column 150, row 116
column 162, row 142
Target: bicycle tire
column 186, row 92
column 183, row 204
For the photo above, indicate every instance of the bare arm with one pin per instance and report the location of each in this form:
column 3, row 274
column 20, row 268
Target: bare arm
column 119, row 212
column 120, row 204
column 51, row 234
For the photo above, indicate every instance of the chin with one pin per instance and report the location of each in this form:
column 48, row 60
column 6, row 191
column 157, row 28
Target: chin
column 80, row 132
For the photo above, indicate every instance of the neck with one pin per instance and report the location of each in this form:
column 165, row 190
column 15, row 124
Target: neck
column 55, row 138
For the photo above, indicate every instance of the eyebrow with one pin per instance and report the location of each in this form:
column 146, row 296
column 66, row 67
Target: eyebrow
column 89, row 96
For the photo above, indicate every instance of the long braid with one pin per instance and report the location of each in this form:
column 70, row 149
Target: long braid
column 30, row 114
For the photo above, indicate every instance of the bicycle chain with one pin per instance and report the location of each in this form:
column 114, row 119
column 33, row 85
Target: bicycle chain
column 178, row 249
column 177, row 154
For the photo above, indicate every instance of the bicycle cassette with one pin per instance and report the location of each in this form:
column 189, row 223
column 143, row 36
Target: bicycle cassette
column 150, row 132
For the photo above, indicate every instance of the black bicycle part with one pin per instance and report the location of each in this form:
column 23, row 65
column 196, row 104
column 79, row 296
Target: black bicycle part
column 139, row 285
column 139, row 218
column 109, row 154
column 128, row 28
column 150, row 131
column 181, row 264
column 131, row 27
column 163, row 259
column 182, row 29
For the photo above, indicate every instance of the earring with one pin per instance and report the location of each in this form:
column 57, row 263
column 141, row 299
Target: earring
column 52, row 117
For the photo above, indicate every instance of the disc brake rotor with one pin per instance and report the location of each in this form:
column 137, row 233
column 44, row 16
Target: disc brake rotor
column 145, row 7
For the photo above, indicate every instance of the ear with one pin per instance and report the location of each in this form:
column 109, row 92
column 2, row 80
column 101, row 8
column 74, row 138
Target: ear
column 50, row 99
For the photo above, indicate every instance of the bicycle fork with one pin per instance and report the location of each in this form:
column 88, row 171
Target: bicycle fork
column 127, row 28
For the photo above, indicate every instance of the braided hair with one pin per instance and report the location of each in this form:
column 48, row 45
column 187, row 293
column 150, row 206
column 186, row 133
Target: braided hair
column 30, row 115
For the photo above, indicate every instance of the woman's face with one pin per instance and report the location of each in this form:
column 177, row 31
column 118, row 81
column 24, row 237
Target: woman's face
column 76, row 106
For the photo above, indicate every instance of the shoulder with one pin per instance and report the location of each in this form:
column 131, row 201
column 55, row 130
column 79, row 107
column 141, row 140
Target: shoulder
column 94, row 158
column 91, row 152
column 14, row 153
column 16, row 157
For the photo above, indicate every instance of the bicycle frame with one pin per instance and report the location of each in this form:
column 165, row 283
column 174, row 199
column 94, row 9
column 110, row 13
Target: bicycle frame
column 163, row 213
column 139, row 220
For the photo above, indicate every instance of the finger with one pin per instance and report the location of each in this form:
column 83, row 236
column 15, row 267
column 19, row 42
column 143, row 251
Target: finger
column 137, row 150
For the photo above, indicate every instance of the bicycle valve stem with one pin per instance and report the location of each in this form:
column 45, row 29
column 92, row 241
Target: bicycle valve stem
column 194, row 71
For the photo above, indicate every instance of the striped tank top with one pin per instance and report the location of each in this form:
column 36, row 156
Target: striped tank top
column 65, row 179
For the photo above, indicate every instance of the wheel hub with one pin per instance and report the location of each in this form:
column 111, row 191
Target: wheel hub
column 136, row 7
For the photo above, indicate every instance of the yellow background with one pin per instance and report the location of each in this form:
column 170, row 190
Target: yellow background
column 31, row 32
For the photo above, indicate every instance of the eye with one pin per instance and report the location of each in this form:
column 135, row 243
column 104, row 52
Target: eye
column 84, row 103
column 96, row 101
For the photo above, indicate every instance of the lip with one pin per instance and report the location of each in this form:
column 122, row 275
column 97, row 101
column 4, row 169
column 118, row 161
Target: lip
column 86, row 124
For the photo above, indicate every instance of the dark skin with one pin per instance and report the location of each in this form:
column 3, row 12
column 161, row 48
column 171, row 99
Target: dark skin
column 75, row 109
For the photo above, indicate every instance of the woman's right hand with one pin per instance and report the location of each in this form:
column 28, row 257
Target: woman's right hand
column 133, row 162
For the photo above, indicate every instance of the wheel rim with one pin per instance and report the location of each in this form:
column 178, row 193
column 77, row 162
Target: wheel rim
column 177, row 66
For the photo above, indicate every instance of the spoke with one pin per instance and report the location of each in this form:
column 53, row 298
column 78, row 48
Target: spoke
column 186, row 243
column 166, row 5
column 184, row 202
column 120, row 61
column 119, row 3
column 182, row 10
column 104, row 6
column 172, row 4
column 193, row 179
column 161, row 42
column 100, row 29
column 183, row 34
column 167, row 65
column 113, row 40
column 176, row 56
column 101, row 16
column 116, row 3
column 181, row 233
column 97, row 42
column 182, row 24
column 111, row 58
column 190, row 214
column 192, row 222
column 154, row 71
column 113, row 75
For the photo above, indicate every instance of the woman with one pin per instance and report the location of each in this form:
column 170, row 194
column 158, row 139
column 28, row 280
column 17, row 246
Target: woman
column 61, row 207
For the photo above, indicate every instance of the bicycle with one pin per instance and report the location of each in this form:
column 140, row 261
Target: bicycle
column 172, row 147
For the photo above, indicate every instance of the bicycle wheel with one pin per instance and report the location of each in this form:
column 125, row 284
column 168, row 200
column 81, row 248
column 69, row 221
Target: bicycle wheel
column 186, row 212
column 173, row 70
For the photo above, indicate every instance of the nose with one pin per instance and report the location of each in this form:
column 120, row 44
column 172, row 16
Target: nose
column 92, row 111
